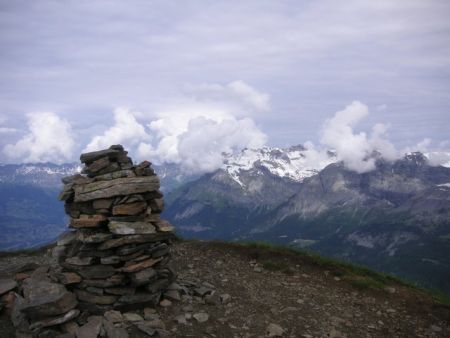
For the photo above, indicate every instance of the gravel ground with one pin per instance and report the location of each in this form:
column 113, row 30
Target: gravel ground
column 267, row 293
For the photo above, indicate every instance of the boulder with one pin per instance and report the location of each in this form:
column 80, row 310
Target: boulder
column 44, row 299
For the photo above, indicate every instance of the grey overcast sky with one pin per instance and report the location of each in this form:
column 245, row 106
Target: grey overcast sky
column 167, row 77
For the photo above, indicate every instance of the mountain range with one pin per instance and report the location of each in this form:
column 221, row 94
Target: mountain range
column 394, row 218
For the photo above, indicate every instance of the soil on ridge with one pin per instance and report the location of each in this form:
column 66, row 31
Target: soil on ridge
column 268, row 287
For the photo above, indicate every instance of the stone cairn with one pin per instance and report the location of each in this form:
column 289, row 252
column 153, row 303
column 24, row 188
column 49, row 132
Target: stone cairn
column 118, row 255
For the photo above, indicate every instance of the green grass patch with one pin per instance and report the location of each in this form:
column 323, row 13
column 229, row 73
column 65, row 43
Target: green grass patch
column 364, row 283
column 445, row 237
column 278, row 266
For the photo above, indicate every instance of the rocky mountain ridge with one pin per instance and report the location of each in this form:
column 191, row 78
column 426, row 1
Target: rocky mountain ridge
column 394, row 218
column 380, row 218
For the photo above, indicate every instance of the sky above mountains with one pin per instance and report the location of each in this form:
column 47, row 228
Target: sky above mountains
column 184, row 81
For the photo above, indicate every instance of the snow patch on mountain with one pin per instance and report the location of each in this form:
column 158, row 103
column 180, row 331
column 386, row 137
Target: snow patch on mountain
column 40, row 174
column 294, row 163
column 50, row 170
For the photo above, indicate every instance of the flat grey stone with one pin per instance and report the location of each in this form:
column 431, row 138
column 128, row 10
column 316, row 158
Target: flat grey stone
column 52, row 321
column 7, row 285
column 114, row 332
column 91, row 329
column 201, row 317
column 131, row 228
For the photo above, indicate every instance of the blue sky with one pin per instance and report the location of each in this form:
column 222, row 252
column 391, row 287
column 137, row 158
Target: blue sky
column 76, row 75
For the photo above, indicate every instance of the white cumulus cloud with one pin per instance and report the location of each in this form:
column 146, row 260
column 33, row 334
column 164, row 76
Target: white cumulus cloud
column 49, row 139
column 192, row 131
column 355, row 149
column 202, row 145
column 195, row 135
column 214, row 120
column 126, row 131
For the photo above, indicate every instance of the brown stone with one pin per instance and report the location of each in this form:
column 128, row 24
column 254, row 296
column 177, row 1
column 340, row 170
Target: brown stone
column 116, row 187
column 88, row 221
column 89, row 297
column 141, row 265
column 104, row 203
column 8, row 300
column 95, row 155
column 153, row 218
column 164, row 226
column 99, row 164
column 135, row 239
column 143, row 169
column 69, row 278
column 129, row 208
column 21, row 276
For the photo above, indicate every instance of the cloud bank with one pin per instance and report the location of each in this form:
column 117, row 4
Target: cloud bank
column 356, row 149
column 49, row 139
column 126, row 130
column 211, row 119
column 195, row 132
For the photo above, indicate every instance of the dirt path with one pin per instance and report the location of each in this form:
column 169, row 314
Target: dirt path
column 273, row 293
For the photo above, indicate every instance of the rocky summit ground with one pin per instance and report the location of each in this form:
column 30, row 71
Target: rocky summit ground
column 249, row 291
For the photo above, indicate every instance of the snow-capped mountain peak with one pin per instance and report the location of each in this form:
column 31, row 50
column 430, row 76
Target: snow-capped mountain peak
column 295, row 163
column 39, row 174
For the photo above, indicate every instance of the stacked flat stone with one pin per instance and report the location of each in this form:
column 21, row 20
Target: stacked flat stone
column 117, row 254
